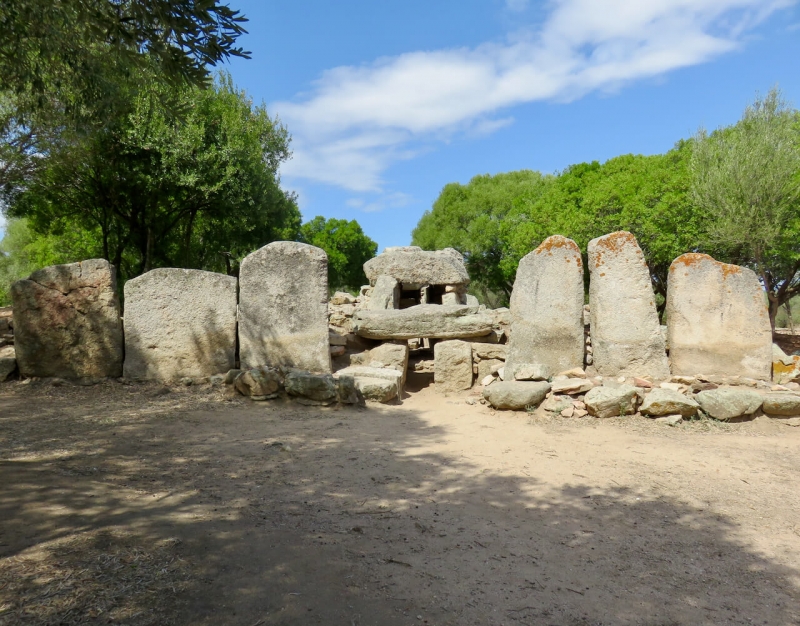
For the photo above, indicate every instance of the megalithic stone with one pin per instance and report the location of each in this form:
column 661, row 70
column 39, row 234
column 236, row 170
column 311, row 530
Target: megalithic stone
column 67, row 322
column 547, row 309
column 717, row 319
column 179, row 323
column 626, row 334
column 283, row 308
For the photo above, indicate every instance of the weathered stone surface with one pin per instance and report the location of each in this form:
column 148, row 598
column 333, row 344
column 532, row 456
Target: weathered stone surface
column 532, row 371
column 283, row 304
column 661, row 402
column 342, row 297
column 311, row 388
column 453, row 365
column 259, row 381
column 472, row 300
column 179, row 323
column 385, row 294
column 787, row 404
column 572, row 386
column 347, row 392
column 489, row 351
column 393, row 356
column 416, row 266
column 785, row 368
column 376, row 389
column 359, row 371
column 8, row 362
column 725, row 404
column 547, row 308
column 67, row 322
column 626, row 334
column 557, row 404
column 485, row 367
column 717, row 319
column 669, row 420
column 609, row 401
column 515, row 395
column 423, row 321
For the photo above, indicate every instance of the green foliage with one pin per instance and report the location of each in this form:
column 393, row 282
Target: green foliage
column 347, row 247
column 496, row 220
column 23, row 251
column 747, row 179
column 473, row 219
column 200, row 190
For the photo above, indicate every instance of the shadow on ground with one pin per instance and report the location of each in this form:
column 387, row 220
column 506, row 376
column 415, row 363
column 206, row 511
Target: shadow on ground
column 118, row 506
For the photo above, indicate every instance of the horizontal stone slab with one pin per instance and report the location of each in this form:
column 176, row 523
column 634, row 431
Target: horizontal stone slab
column 416, row 266
column 430, row 321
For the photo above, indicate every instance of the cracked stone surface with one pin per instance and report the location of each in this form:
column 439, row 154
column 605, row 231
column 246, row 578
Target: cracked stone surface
column 67, row 321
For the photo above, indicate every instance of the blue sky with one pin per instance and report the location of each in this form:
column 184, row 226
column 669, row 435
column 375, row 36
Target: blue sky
column 389, row 101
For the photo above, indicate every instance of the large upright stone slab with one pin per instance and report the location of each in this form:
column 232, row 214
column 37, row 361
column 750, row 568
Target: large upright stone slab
column 413, row 265
column 67, row 322
column 385, row 294
column 452, row 370
column 547, row 309
column 179, row 323
column 283, row 308
column 626, row 334
column 717, row 319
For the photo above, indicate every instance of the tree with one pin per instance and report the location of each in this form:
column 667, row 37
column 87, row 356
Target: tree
column 747, row 179
column 200, row 190
column 22, row 251
column 347, row 247
column 472, row 218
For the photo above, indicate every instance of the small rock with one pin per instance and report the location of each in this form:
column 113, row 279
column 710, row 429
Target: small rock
column 621, row 379
column 217, row 379
column 186, row 381
column 684, row 380
column 337, row 351
column 528, row 371
column 572, row 386
column 556, row 404
column 317, row 388
column 698, row 387
column 781, row 404
column 488, row 380
column 230, row 377
column 673, row 386
column 515, row 395
column 259, row 381
column 575, row 372
column 335, row 339
column 580, row 413
column 578, row 404
column 611, row 401
column 589, row 359
column 470, row 401
column 778, row 388
column 643, row 382
column 792, row 386
column 502, row 373
column 376, row 389
column 669, row 420
column 725, row 404
column 665, row 402
column 568, row 412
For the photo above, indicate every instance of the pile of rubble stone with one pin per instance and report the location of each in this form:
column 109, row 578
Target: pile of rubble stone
column 8, row 360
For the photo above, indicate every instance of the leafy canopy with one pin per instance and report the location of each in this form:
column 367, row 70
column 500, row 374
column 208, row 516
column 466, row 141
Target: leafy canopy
column 347, row 247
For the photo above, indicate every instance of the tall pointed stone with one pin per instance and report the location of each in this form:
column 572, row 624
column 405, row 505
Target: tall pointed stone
column 547, row 309
column 626, row 335
column 283, row 308
column 717, row 319
column 179, row 323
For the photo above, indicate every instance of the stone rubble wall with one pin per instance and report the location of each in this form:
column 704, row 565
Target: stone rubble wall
column 610, row 357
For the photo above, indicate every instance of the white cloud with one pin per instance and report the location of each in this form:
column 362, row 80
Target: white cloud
column 358, row 120
column 516, row 5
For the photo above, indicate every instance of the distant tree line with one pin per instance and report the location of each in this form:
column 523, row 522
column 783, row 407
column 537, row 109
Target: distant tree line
column 733, row 193
column 117, row 142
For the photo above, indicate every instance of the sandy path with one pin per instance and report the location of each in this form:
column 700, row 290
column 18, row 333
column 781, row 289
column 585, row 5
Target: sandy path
column 433, row 512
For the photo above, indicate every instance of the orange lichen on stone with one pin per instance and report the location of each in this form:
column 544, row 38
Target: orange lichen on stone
column 612, row 243
column 693, row 258
column 781, row 368
column 556, row 241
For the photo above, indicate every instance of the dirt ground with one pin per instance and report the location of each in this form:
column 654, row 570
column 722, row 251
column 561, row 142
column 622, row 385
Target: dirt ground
column 134, row 504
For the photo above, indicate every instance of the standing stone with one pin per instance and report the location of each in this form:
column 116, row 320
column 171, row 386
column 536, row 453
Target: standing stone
column 385, row 294
column 717, row 319
column 626, row 334
column 67, row 322
column 283, row 308
column 452, row 370
column 547, row 309
column 179, row 323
